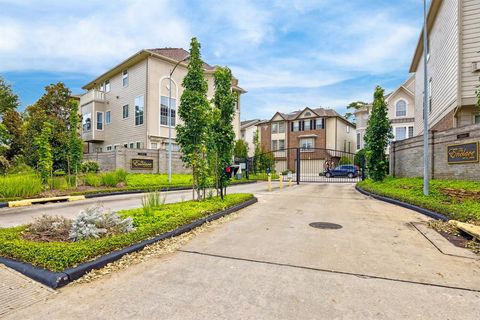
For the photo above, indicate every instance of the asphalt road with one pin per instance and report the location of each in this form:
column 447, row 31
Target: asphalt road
column 17, row 216
column 269, row 263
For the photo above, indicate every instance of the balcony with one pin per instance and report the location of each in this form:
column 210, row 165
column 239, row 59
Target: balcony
column 92, row 96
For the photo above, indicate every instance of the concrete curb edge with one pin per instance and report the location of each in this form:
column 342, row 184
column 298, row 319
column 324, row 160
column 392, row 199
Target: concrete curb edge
column 429, row 213
column 59, row 279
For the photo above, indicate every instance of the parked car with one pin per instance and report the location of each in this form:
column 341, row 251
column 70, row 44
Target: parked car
column 346, row 170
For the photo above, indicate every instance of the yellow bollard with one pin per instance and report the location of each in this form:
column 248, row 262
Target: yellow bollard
column 281, row 181
column 269, row 182
column 290, row 182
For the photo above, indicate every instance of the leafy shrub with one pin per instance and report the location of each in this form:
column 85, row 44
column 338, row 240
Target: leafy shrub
column 4, row 165
column 121, row 175
column 109, row 179
column 90, row 166
column 93, row 180
column 19, row 185
column 59, row 183
column 57, row 256
column 95, row 222
column 49, row 228
column 155, row 181
column 21, row 168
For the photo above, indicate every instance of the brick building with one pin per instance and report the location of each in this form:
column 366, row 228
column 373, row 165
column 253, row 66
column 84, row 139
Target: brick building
column 321, row 134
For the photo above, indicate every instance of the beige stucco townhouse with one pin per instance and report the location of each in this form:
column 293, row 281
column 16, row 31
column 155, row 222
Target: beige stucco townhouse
column 453, row 61
column 401, row 113
column 127, row 106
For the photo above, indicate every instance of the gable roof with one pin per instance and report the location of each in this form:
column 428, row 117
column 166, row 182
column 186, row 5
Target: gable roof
column 177, row 54
column 249, row 123
column 319, row 112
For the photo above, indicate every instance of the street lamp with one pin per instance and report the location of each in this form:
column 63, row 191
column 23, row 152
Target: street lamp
column 170, row 119
column 425, row 102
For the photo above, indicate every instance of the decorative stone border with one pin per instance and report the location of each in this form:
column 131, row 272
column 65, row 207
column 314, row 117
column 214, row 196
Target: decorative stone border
column 431, row 214
column 58, row 279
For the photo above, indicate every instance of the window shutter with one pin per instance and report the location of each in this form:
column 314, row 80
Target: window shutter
column 291, row 126
column 314, row 124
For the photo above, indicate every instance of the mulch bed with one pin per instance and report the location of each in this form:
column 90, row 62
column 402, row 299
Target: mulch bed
column 455, row 236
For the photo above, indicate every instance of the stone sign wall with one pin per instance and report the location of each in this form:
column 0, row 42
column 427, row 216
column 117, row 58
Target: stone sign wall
column 453, row 155
column 138, row 160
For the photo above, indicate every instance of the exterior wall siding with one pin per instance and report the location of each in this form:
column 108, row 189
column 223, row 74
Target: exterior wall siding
column 442, row 65
column 470, row 47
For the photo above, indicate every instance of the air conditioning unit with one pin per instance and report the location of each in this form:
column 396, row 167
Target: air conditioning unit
column 475, row 66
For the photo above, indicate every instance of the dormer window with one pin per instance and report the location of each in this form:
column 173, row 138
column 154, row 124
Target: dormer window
column 401, row 108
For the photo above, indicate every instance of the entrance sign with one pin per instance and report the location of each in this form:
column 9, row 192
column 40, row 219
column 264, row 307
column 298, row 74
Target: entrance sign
column 462, row 153
column 142, row 164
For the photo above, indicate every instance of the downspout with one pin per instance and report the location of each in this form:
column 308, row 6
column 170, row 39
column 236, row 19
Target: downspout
column 459, row 63
column 146, row 104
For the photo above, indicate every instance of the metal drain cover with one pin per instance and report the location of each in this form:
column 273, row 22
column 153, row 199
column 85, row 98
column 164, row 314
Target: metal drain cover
column 325, row 225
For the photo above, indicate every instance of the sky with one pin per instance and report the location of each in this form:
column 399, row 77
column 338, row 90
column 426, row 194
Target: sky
column 287, row 54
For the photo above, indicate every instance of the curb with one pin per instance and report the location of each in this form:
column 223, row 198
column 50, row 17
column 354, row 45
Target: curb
column 102, row 194
column 429, row 213
column 29, row 202
column 56, row 280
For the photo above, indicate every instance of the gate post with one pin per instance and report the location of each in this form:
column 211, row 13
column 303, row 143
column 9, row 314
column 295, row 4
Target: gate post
column 298, row 166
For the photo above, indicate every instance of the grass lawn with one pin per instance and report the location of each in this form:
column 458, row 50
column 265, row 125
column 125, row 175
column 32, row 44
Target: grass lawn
column 410, row 190
column 57, row 256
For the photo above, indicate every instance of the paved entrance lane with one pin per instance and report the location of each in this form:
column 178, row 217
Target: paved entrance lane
column 269, row 264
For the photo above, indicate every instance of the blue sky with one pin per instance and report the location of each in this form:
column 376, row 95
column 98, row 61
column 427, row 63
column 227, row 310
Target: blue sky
column 286, row 54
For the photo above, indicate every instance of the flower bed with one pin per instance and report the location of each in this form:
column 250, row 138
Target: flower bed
column 57, row 256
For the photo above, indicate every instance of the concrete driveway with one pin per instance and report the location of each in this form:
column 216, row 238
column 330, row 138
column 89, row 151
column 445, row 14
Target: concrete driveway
column 270, row 264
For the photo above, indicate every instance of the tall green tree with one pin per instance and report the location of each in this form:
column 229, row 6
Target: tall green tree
column 194, row 110
column 241, row 149
column 257, row 151
column 221, row 135
column 44, row 152
column 8, row 100
column 352, row 107
column 75, row 145
column 14, row 126
column 53, row 107
column 377, row 136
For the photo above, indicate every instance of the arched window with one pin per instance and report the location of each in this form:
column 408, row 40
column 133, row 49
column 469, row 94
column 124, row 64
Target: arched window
column 307, row 114
column 401, row 108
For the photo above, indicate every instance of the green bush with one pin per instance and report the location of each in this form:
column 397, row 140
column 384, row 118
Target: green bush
column 21, row 168
column 90, row 166
column 20, row 185
column 156, row 181
column 59, row 172
column 410, row 190
column 93, row 180
column 121, row 175
column 109, row 179
column 57, row 256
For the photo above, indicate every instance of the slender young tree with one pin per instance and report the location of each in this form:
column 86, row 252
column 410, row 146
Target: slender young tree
column 222, row 136
column 241, row 149
column 13, row 123
column 75, row 142
column 377, row 136
column 194, row 110
column 44, row 150
column 8, row 100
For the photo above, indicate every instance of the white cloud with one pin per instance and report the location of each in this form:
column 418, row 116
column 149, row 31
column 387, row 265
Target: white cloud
column 92, row 42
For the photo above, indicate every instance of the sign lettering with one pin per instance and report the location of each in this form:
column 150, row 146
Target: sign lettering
column 462, row 153
column 142, row 164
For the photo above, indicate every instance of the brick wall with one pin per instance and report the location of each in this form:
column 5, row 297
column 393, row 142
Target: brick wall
column 406, row 156
column 265, row 136
column 122, row 158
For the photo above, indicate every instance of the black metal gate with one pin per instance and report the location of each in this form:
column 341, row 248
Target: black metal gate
column 309, row 165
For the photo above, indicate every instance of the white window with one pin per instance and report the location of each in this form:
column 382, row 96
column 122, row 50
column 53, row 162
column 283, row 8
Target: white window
column 410, row 131
column 87, row 122
column 107, row 86
column 164, row 111
column 109, row 148
column 307, row 144
column 274, row 145
column 319, row 123
column 125, row 111
column 281, row 127
column 131, row 145
column 98, row 149
column 401, row 108
column 99, row 120
column 306, row 125
column 400, row 133
column 175, row 147
column 477, row 119
column 281, row 144
column 153, row 145
column 139, row 109
column 348, row 129
column 138, row 145
column 115, row 146
column 274, row 127
column 295, row 126
column 108, row 117
column 125, row 78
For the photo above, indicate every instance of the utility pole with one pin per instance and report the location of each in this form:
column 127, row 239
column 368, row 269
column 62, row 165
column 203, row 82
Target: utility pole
column 426, row 156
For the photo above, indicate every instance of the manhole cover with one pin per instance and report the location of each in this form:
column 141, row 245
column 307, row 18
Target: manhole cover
column 325, row 225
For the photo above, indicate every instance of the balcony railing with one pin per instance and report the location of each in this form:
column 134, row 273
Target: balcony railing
column 92, row 95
